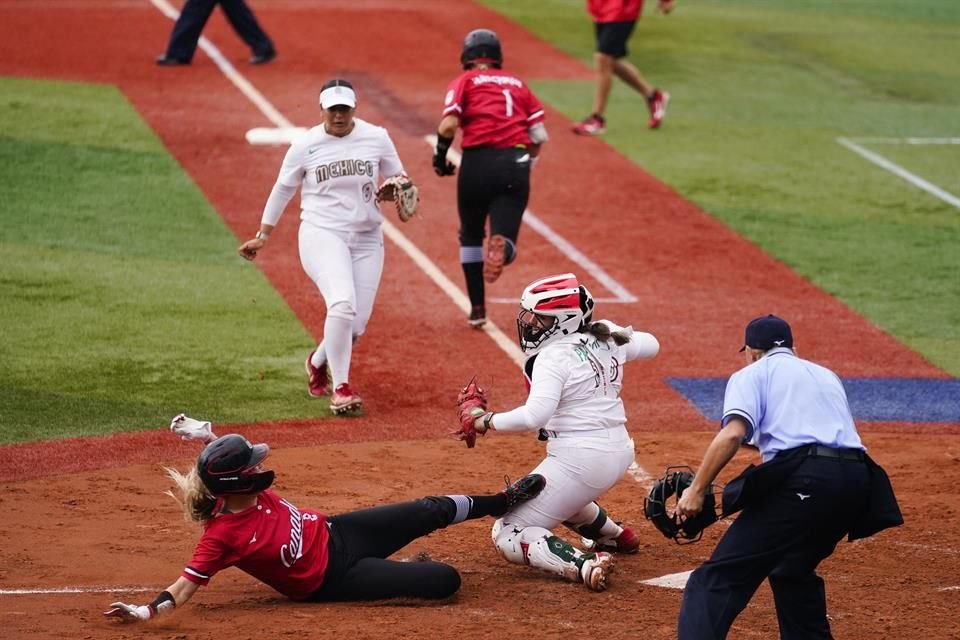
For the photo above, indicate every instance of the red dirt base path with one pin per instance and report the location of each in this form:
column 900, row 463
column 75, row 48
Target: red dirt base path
column 89, row 523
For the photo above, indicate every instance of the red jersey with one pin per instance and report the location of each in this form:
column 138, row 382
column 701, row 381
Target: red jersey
column 496, row 109
column 614, row 10
column 275, row 542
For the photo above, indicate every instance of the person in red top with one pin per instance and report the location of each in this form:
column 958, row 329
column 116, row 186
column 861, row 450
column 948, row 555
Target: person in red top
column 503, row 129
column 614, row 21
column 300, row 552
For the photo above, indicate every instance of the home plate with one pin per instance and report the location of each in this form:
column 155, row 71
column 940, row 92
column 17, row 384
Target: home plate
column 669, row 581
column 274, row 135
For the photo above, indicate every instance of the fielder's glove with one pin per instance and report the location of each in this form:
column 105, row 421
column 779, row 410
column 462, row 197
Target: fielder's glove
column 129, row 612
column 190, row 429
column 471, row 404
column 404, row 194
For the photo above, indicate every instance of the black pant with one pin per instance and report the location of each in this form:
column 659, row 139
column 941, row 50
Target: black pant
column 783, row 537
column 494, row 182
column 194, row 16
column 360, row 542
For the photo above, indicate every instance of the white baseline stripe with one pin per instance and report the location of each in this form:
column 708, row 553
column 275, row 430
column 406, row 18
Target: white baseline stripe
column 27, row 591
column 916, row 141
column 897, row 170
column 621, row 294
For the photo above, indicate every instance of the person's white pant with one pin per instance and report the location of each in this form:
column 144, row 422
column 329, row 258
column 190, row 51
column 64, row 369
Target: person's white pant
column 346, row 267
column 578, row 471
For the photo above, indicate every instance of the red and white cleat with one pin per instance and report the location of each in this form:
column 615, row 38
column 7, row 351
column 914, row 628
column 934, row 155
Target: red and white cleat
column 345, row 400
column 318, row 384
column 658, row 107
column 592, row 125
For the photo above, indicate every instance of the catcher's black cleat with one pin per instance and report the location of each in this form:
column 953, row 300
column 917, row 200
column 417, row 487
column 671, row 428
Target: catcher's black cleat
column 526, row 488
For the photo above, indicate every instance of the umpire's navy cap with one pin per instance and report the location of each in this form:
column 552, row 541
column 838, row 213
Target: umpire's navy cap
column 767, row 332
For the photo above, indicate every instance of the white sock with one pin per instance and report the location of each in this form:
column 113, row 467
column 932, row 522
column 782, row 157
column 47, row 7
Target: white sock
column 338, row 343
column 319, row 357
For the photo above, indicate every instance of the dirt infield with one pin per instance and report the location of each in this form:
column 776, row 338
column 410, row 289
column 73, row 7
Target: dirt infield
column 90, row 515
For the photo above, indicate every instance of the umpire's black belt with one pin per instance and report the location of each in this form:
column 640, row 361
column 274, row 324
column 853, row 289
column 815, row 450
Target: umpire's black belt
column 822, row 451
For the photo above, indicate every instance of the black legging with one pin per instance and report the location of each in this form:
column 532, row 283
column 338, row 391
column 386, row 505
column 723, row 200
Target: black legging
column 360, row 542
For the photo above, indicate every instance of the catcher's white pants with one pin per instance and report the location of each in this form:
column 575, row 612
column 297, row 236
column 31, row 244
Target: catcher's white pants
column 346, row 267
column 578, row 470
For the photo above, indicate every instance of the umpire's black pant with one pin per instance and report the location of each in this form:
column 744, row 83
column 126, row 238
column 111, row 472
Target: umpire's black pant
column 784, row 537
column 360, row 542
column 494, row 182
column 194, row 16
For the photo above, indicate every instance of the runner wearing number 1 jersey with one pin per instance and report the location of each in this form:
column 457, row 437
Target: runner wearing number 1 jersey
column 503, row 130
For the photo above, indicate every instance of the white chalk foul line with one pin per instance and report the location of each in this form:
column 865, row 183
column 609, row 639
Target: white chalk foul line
column 25, row 591
column 620, row 292
column 899, row 171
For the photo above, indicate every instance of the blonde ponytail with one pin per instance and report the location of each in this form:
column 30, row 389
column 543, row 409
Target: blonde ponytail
column 197, row 503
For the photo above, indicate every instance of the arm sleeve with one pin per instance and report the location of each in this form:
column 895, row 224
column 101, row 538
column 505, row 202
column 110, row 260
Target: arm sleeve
column 390, row 164
column 280, row 196
column 742, row 398
column 291, row 176
column 642, row 345
column 453, row 99
column 207, row 560
column 545, row 389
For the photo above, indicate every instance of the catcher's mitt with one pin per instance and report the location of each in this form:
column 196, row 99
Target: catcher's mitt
column 658, row 511
column 471, row 404
column 404, row 194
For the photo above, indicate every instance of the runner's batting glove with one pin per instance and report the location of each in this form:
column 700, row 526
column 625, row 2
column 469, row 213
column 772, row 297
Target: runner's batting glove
column 442, row 166
column 190, row 429
column 129, row 612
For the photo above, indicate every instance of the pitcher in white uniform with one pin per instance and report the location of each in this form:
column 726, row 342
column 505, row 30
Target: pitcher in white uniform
column 338, row 166
column 575, row 374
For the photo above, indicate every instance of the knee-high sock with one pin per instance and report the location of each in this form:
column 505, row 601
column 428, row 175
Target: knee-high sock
column 338, row 344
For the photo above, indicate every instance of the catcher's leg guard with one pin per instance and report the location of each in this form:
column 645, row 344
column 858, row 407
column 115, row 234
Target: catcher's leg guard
column 539, row 548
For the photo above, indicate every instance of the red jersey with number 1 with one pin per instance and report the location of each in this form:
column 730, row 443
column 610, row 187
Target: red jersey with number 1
column 496, row 108
column 275, row 542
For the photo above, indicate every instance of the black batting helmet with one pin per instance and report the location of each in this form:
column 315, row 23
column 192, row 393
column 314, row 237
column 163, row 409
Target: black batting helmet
column 227, row 465
column 481, row 45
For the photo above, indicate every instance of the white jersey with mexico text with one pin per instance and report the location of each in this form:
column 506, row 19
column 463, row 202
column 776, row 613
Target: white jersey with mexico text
column 575, row 384
column 338, row 177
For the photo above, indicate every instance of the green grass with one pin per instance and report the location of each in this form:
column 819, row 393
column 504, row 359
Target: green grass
column 119, row 279
column 761, row 90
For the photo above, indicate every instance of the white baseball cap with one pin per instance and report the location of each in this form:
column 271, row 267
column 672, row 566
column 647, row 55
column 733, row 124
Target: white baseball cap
column 337, row 92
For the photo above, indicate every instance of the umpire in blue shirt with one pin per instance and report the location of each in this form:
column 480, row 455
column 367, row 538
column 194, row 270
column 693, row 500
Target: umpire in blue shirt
column 816, row 485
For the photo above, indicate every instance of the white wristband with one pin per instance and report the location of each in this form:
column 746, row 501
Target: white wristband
column 261, row 235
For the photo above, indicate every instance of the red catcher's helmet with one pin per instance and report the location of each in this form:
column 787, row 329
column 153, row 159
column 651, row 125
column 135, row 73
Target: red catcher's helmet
column 551, row 308
column 481, row 45
column 226, row 466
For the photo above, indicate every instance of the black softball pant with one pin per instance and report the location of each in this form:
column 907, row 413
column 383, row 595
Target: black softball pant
column 494, row 182
column 360, row 542
column 194, row 16
column 784, row 538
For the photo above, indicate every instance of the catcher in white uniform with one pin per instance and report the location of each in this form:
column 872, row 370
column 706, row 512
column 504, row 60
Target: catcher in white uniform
column 575, row 373
column 337, row 166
